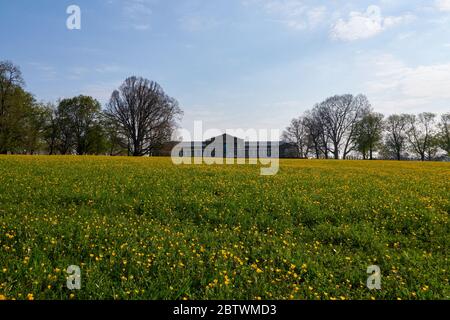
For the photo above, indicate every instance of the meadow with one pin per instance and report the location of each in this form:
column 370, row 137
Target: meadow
column 143, row 228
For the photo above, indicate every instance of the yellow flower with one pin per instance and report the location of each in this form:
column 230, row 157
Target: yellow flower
column 30, row 296
column 2, row 297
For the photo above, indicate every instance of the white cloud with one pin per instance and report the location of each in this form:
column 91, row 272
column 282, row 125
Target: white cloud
column 443, row 5
column 316, row 15
column 295, row 14
column 108, row 68
column 79, row 72
column 426, row 81
column 75, row 73
column 101, row 91
column 47, row 72
column 139, row 13
column 363, row 25
column 398, row 87
column 197, row 23
column 285, row 7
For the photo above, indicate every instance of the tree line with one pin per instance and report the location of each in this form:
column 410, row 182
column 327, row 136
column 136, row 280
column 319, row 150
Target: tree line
column 343, row 126
column 138, row 119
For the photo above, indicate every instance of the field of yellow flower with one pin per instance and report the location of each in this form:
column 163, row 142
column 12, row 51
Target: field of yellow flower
column 147, row 229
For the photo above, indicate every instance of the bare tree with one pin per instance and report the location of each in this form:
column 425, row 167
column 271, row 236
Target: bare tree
column 318, row 137
column 145, row 113
column 421, row 131
column 324, row 136
column 297, row 134
column 360, row 108
column 314, row 133
column 444, row 133
column 396, row 138
column 339, row 116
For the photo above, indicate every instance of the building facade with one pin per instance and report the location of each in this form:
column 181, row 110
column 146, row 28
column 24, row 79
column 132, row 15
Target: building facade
column 226, row 146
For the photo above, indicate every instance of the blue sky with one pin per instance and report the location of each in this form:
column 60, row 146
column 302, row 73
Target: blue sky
column 237, row 63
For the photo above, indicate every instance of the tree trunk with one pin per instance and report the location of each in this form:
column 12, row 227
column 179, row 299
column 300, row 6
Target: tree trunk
column 137, row 149
column 336, row 151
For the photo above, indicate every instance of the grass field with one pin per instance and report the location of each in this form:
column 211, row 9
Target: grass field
column 146, row 229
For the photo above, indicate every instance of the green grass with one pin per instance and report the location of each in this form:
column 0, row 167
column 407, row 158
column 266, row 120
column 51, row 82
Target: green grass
column 146, row 229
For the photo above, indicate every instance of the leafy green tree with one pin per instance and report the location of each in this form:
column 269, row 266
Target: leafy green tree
column 13, row 103
column 50, row 133
column 98, row 139
column 33, row 129
column 116, row 141
column 368, row 134
column 78, row 120
column 19, row 127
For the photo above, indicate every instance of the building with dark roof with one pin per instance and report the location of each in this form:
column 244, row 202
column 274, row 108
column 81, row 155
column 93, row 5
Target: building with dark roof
column 227, row 146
